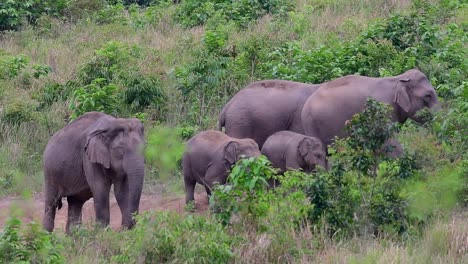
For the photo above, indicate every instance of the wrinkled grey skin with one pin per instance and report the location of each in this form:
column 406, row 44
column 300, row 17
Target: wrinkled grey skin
column 326, row 111
column 264, row 108
column 290, row 150
column 209, row 156
column 85, row 158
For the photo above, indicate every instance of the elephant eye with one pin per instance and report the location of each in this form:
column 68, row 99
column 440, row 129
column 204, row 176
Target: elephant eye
column 427, row 97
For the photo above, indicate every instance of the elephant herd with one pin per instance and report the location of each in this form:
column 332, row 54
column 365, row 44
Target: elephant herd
column 290, row 123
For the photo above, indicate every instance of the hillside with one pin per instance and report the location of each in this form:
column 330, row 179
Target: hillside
column 174, row 64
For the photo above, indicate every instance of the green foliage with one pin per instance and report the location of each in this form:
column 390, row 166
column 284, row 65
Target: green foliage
column 187, row 132
column 17, row 112
column 41, row 70
column 79, row 9
column 97, row 96
column 51, row 93
column 28, row 245
column 142, row 92
column 451, row 125
column 199, row 82
column 172, row 238
column 107, row 81
column 14, row 13
column 245, row 190
column 387, row 48
column 164, row 150
column 111, row 13
column 438, row 193
column 192, row 12
column 362, row 190
column 11, row 66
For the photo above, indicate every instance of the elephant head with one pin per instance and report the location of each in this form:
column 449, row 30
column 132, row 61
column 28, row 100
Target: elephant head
column 310, row 153
column 414, row 92
column 115, row 145
column 240, row 148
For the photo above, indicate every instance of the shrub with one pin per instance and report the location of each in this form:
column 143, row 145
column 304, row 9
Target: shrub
column 169, row 237
column 51, row 93
column 143, row 92
column 97, row 96
column 192, row 12
column 28, row 245
column 109, row 79
column 13, row 14
column 164, row 149
column 451, row 125
column 245, row 191
column 11, row 66
column 18, row 112
column 362, row 190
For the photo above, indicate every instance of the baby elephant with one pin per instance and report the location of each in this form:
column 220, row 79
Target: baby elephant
column 290, row 150
column 209, row 156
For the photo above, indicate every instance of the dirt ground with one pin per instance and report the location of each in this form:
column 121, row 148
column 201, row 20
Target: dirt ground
column 32, row 210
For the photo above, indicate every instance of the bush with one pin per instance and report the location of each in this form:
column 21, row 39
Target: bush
column 13, row 14
column 97, row 96
column 28, row 245
column 18, row 112
column 362, row 190
column 245, row 191
column 51, row 93
column 171, row 238
column 193, row 12
column 110, row 79
column 11, row 66
column 143, row 92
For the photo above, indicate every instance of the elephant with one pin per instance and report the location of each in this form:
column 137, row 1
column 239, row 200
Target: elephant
column 264, row 108
column 84, row 159
column 208, row 158
column 327, row 110
column 290, row 150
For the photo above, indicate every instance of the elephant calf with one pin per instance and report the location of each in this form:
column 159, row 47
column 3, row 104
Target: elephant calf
column 209, row 156
column 290, row 150
column 85, row 158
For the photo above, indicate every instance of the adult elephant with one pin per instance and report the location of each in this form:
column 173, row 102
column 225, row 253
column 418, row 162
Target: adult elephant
column 264, row 108
column 85, row 158
column 326, row 111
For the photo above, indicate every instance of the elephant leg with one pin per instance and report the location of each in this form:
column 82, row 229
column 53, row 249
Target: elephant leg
column 121, row 195
column 189, row 189
column 101, row 189
column 52, row 201
column 189, row 180
column 75, row 206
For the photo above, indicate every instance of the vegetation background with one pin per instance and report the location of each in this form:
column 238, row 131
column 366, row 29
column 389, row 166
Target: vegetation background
column 174, row 64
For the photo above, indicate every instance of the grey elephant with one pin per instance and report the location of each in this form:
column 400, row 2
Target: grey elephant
column 85, row 158
column 264, row 108
column 209, row 156
column 327, row 110
column 290, row 150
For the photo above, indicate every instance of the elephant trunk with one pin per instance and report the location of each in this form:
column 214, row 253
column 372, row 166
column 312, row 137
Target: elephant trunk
column 135, row 170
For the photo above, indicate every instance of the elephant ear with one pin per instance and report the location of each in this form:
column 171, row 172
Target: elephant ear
column 231, row 152
column 306, row 144
column 96, row 147
column 402, row 97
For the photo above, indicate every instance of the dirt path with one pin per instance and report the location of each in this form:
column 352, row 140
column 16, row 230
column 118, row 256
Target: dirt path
column 33, row 209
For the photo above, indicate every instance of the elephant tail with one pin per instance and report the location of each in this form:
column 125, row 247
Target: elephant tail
column 59, row 204
column 222, row 119
column 222, row 116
